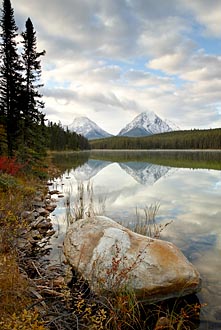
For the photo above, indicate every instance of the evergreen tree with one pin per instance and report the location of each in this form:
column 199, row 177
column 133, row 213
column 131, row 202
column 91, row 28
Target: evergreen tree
column 10, row 78
column 31, row 100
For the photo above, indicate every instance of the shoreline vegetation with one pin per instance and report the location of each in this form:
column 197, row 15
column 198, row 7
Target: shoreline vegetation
column 35, row 296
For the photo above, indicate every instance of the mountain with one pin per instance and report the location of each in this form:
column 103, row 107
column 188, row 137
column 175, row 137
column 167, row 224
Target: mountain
column 89, row 169
column 173, row 126
column 87, row 128
column 146, row 123
column 145, row 173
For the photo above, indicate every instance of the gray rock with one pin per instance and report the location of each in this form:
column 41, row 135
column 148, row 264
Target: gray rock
column 37, row 221
column 35, row 214
column 45, row 225
column 110, row 256
column 35, row 235
column 42, row 211
column 50, row 233
column 38, row 204
column 38, row 198
column 54, row 192
column 25, row 214
column 51, row 207
column 23, row 243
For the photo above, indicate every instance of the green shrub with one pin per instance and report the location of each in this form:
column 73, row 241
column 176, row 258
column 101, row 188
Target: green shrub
column 7, row 181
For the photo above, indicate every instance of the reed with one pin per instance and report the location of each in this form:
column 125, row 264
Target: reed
column 145, row 222
column 86, row 203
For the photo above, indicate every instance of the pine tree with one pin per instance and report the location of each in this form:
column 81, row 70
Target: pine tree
column 31, row 101
column 10, row 78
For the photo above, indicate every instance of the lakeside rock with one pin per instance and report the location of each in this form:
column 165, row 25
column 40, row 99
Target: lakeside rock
column 110, row 256
column 39, row 226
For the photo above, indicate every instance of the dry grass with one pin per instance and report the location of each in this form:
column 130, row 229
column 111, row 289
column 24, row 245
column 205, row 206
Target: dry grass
column 13, row 286
column 15, row 197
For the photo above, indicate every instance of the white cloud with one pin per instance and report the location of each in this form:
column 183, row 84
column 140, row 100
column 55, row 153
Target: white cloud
column 111, row 59
column 169, row 63
column 207, row 13
column 145, row 79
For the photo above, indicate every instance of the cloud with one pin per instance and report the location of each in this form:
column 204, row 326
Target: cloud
column 169, row 63
column 203, row 67
column 207, row 13
column 110, row 60
column 104, row 73
column 145, row 78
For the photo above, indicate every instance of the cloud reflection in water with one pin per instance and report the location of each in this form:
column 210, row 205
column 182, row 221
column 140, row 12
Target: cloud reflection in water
column 191, row 198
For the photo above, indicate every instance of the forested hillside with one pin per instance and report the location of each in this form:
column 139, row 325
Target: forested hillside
column 59, row 139
column 192, row 139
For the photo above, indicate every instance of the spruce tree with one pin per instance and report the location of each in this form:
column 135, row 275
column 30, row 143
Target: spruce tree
column 31, row 100
column 10, row 78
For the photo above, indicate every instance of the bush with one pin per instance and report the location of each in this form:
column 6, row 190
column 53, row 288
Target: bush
column 27, row 320
column 10, row 165
column 7, row 181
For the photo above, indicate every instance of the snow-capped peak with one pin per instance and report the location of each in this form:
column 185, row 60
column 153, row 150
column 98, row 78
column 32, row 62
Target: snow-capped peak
column 87, row 128
column 146, row 123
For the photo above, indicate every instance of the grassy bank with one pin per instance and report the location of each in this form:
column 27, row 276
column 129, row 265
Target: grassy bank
column 18, row 184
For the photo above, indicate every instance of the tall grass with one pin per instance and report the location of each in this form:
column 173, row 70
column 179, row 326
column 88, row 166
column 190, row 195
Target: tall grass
column 145, row 222
column 86, row 204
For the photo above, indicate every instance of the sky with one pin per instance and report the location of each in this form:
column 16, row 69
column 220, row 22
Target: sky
column 110, row 60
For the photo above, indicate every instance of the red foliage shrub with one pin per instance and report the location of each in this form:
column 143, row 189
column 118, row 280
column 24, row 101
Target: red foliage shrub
column 9, row 165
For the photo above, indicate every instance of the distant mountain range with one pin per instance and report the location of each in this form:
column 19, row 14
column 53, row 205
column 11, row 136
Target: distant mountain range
column 147, row 123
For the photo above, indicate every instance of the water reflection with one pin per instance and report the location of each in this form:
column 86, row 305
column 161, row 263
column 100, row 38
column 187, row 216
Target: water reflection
column 89, row 169
column 189, row 196
column 145, row 173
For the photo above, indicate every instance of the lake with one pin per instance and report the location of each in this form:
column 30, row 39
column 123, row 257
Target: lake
column 185, row 185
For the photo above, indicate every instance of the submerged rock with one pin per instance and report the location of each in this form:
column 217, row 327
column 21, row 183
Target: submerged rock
column 110, row 256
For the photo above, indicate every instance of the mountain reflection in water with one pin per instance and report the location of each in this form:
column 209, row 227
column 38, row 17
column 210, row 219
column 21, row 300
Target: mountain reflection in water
column 143, row 173
column 188, row 188
column 90, row 169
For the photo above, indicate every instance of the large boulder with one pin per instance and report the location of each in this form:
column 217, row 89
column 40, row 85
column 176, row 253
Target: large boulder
column 110, row 256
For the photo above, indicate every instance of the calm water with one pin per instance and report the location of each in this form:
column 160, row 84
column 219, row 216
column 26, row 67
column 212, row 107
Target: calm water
column 186, row 185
